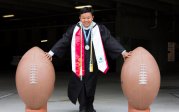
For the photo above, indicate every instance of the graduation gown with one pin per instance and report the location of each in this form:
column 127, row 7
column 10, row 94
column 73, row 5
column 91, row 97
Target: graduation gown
column 111, row 46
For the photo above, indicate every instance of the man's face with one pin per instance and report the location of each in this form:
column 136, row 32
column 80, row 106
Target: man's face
column 86, row 19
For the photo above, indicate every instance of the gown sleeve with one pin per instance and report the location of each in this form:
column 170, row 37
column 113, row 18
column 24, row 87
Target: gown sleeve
column 112, row 47
column 63, row 43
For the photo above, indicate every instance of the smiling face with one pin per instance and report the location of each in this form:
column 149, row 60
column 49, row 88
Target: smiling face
column 86, row 19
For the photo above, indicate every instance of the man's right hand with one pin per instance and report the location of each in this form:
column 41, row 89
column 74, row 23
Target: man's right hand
column 47, row 55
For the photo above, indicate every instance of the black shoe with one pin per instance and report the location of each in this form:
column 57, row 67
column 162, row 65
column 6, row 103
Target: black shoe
column 83, row 110
column 91, row 110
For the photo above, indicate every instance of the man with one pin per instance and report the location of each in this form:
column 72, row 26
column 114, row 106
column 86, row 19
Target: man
column 89, row 43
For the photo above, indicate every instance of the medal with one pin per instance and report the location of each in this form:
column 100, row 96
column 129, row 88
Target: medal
column 87, row 47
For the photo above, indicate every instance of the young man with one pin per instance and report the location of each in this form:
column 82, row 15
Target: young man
column 89, row 42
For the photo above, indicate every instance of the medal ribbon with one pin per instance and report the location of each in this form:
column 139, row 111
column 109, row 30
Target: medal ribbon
column 87, row 36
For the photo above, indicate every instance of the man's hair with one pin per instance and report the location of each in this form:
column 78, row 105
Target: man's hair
column 86, row 9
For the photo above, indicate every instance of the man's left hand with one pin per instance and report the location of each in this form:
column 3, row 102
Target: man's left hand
column 126, row 55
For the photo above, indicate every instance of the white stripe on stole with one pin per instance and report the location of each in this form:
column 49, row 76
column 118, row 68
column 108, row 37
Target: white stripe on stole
column 99, row 50
column 73, row 49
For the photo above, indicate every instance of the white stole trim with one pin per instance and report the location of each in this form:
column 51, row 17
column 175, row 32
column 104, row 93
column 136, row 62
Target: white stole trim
column 99, row 50
column 73, row 49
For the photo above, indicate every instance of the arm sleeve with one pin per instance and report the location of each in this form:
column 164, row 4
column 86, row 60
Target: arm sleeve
column 111, row 45
column 62, row 44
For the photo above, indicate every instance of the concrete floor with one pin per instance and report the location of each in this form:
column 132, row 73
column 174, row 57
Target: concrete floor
column 109, row 96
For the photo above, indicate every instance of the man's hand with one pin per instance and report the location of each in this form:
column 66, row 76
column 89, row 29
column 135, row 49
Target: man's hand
column 126, row 55
column 48, row 56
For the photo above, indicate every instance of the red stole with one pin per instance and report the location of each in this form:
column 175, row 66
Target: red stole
column 79, row 53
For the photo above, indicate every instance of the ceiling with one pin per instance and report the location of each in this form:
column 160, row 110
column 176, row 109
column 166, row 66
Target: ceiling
column 39, row 8
column 28, row 11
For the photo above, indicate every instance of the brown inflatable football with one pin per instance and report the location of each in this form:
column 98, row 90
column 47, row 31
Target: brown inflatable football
column 140, row 79
column 35, row 78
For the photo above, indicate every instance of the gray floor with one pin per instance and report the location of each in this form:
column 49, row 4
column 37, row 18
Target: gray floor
column 109, row 96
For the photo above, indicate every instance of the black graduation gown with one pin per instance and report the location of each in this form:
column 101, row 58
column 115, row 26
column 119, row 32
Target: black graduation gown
column 111, row 46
